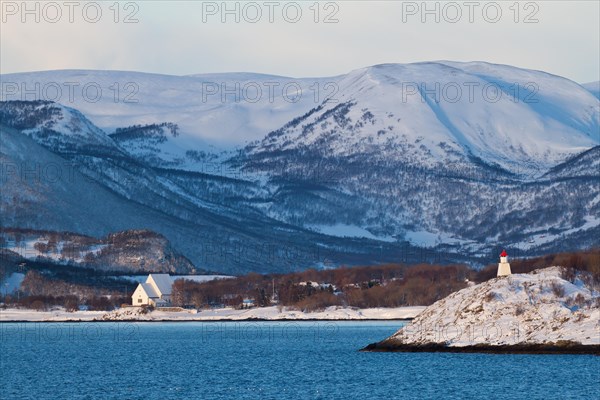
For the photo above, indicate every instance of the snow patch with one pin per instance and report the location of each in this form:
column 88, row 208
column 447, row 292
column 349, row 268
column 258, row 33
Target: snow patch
column 352, row 231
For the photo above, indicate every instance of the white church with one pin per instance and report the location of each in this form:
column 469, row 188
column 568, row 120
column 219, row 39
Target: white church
column 503, row 266
column 156, row 291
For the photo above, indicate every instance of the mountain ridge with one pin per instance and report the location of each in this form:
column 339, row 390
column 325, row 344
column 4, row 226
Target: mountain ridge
column 144, row 107
column 365, row 175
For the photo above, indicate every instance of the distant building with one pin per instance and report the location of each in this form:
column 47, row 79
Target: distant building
column 156, row 291
column 248, row 303
column 503, row 266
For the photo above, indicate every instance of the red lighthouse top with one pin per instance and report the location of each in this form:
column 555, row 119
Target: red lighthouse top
column 503, row 254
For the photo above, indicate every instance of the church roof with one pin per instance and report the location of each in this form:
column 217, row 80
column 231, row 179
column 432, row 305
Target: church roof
column 150, row 292
column 163, row 282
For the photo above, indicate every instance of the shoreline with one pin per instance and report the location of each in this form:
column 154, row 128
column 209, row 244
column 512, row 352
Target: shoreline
column 521, row 348
column 79, row 321
column 534, row 313
column 214, row 315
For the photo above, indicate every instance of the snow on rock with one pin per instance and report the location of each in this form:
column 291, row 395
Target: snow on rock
column 536, row 308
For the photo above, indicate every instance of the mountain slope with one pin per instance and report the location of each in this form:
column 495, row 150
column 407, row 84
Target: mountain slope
column 593, row 88
column 59, row 128
column 425, row 114
column 403, row 160
column 442, row 110
column 129, row 251
column 209, row 219
column 391, row 161
column 211, row 109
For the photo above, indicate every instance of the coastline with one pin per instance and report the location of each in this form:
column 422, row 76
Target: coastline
column 218, row 315
column 202, row 320
column 536, row 313
column 520, row 348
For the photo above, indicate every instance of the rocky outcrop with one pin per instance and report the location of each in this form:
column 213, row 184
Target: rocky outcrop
column 539, row 312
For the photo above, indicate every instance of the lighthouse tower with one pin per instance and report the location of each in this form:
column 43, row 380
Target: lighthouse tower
column 503, row 266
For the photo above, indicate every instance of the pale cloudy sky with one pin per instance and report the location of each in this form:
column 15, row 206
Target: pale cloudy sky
column 186, row 37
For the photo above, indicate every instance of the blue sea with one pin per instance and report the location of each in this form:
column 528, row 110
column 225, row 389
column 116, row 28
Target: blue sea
column 266, row 360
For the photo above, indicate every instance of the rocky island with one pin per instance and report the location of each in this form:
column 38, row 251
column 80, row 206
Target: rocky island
column 550, row 310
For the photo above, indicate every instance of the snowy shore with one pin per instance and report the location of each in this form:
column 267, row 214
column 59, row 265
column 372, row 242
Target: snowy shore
column 536, row 312
column 221, row 314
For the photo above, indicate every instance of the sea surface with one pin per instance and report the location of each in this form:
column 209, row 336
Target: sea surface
column 265, row 360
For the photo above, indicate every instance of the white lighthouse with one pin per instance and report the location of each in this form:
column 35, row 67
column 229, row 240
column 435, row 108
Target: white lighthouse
column 503, row 266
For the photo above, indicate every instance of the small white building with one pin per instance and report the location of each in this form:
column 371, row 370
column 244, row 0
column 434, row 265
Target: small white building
column 248, row 303
column 503, row 266
column 156, row 291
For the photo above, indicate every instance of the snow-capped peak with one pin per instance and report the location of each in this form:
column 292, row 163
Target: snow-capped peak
column 525, row 121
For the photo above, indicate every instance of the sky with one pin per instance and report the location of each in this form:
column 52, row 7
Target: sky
column 298, row 39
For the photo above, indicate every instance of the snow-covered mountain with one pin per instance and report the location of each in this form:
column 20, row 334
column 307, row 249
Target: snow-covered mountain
column 593, row 88
column 214, row 221
column 451, row 158
column 436, row 115
column 537, row 308
column 60, row 128
column 225, row 109
column 401, row 157
column 480, row 111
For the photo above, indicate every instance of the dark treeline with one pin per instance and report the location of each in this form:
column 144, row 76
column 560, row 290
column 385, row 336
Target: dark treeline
column 373, row 286
column 47, row 285
column 390, row 285
column 145, row 131
column 70, row 302
column 42, row 292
